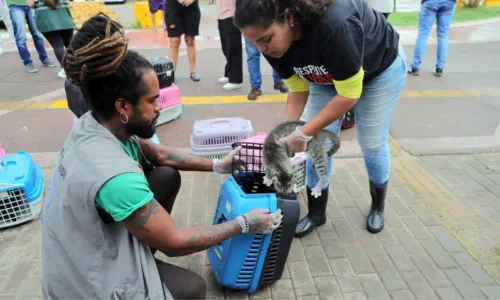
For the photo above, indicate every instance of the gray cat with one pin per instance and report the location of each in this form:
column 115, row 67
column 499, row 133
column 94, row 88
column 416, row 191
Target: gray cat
column 277, row 165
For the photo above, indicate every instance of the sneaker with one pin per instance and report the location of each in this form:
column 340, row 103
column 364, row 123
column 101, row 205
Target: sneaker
column 1, row 51
column 61, row 73
column 413, row 71
column 223, row 80
column 281, row 87
column 30, row 68
column 48, row 63
column 231, row 86
column 254, row 94
column 194, row 77
column 438, row 72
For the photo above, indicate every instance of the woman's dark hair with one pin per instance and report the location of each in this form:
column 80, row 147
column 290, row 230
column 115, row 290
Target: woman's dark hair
column 52, row 4
column 98, row 60
column 265, row 12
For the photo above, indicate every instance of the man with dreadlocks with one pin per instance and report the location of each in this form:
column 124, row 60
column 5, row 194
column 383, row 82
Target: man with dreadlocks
column 108, row 203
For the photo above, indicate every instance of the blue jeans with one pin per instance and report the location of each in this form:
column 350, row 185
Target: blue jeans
column 253, row 60
column 20, row 15
column 442, row 11
column 372, row 112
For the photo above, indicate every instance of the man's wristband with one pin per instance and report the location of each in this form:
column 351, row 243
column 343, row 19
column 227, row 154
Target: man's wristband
column 243, row 221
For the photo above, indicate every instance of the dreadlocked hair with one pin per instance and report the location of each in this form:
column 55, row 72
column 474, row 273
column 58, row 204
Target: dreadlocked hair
column 265, row 12
column 98, row 60
column 53, row 4
column 96, row 51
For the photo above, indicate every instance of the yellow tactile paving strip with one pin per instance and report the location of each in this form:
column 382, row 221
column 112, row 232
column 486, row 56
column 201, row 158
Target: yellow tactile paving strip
column 471, row 230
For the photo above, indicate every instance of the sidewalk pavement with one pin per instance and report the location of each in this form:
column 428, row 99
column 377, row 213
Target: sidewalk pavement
column 441, row 239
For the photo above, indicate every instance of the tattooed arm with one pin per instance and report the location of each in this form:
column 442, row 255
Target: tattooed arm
column 152, row 225
column 161, row 155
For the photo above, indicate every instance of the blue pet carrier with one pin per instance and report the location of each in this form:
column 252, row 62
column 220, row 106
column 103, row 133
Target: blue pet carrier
column 252, row 261
column 21, row 189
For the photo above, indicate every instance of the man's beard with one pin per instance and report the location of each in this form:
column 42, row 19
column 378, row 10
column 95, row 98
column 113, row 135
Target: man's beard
column 143, row 129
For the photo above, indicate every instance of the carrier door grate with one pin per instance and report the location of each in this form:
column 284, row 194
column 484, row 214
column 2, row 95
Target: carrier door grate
column 267, row 276
column 248, row 268
column 14, row 207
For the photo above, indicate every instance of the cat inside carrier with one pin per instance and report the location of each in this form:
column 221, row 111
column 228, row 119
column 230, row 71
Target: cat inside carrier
column 252, row 261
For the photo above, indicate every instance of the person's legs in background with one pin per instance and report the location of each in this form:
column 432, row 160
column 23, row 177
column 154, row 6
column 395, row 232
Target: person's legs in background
column 18, row 18
column 5, row 16
column 55, row 40
column 373, row 113
column 222, row 34
column 234, row 55
column 443, row 21
column 191, row 19
column 154, row 7
column 319, row 97
column 38, row 39
column 253, row 62
column 279, row 85
column 425, row 20
column 175, row 29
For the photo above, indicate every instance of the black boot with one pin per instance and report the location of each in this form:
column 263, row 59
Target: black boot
column 316, row 215
column 375, row 220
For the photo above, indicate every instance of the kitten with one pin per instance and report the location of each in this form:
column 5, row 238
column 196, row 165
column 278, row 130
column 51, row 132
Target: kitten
column 276, row 160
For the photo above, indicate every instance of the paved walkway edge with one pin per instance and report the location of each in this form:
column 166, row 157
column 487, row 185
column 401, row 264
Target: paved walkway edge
column 460, row 221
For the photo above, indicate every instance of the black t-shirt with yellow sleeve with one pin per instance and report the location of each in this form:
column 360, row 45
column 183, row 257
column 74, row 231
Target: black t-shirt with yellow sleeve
column 350, row 44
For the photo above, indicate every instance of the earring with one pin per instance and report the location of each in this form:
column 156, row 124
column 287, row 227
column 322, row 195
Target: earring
column 292, row 24
column 126, row 120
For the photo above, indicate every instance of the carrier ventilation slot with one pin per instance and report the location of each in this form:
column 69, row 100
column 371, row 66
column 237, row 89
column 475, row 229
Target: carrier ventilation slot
column 247, row 270
column 267, row 276
column 222, row 140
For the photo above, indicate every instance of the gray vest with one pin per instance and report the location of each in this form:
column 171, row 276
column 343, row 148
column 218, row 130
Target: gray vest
column 82, row 257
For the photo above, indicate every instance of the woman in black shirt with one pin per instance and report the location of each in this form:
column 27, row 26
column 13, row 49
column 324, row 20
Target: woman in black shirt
column 334, row 55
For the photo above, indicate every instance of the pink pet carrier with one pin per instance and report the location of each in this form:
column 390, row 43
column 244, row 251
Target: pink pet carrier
column 298, row 161
column 171, row 106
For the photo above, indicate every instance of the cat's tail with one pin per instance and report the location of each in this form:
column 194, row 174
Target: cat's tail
column 335, row 141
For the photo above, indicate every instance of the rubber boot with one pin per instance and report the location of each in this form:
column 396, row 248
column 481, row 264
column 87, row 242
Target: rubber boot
column 375, row 220
column 316, row 215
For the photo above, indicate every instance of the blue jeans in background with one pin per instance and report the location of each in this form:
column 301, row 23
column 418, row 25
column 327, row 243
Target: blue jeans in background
column 19, row 16
column 253, row 60
column 442, row 11
column 372, row 112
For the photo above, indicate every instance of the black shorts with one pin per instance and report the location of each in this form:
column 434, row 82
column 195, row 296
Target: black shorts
column 182, row 20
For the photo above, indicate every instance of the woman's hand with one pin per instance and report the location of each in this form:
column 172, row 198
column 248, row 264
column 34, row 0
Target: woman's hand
column 30, row 3
column 296, row 141
column 295, row 105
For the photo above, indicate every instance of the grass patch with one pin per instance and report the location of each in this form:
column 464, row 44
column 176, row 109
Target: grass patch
column 462, row 14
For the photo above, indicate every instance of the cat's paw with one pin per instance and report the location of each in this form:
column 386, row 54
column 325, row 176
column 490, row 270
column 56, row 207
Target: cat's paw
column 316, row 191
column 296, row 188
column 267, row 181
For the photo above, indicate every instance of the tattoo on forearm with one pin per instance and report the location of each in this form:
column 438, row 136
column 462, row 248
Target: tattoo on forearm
column 205, row 237
column 179, row 156
column 141, row 216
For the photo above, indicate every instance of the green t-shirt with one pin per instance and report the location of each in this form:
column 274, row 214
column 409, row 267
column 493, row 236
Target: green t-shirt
column 123, row 194
column 48, row 19
column 16, row 2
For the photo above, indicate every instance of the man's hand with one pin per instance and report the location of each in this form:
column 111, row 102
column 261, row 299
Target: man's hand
column 296, row 141
column 224, row 165
column 261, row 221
